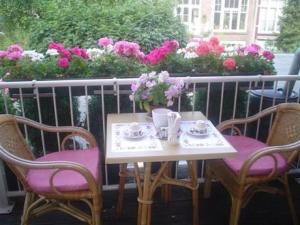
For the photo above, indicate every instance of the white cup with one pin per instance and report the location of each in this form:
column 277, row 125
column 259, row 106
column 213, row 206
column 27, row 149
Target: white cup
column 201, row 126
column 160, row 117
column 134, row 129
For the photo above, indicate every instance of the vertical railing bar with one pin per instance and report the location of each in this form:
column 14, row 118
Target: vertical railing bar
column 5, row 101
column 87, row 107
column 176, row 169
column 273, row 103
column 40, row 118
column 194, row 97
column 179, row 103
column 247, row 107
column 23, row 113
column 221, row 103
column 103, row 130
column 207, row 100
column 235, row 99
column 202, row 168
column 260, row 108
column 118, row 96
column 55, row 116
column 71, row 111
column 287, row 93
column 133, row 106
column 298, row 98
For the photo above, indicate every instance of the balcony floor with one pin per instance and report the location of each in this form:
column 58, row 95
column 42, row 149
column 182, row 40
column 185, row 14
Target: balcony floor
column 262, row 210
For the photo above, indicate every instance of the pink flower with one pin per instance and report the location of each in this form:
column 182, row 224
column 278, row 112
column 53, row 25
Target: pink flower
column 252, row 49
column 268, row 55
column 203, row 48
column 57, row 46
column 84, row 54
column 229, row 64
column 64, row 53
column 105, row 41
column 171, row 45
column 76, row 51
column 63, row 63
column 14, row 48
column 3, row 54
column 219, row 49
column 16, row 55
column 214, row 41
column 129, row 49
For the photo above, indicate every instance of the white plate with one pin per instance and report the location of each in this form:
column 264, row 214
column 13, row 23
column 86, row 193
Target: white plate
column 194, row 132
column 128, row 135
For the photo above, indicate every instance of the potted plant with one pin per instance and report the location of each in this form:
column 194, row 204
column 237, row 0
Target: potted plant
column 156, row 90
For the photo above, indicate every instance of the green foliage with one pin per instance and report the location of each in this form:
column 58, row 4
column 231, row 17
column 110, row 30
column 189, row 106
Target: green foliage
column 79, row 23
column 289, row 37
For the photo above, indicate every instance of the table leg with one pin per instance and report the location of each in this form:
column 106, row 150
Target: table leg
column 120, row 200
column 146, row 199
column 167, row 188
column 194, row 184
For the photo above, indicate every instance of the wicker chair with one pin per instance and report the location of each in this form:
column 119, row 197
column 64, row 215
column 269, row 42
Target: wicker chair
column 51, row 182
column 258, row 163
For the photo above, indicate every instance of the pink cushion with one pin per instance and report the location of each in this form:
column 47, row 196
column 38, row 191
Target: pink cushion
column 38, row 179
column 245, row 147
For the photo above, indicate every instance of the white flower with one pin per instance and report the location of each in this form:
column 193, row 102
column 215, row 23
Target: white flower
column 192, row 44
column 180, row 51
column 52, row 52
column 152, row 75
column 33, row 55
column 163, row 76
column 95, row 53
column 109, row 48
column 190, row 55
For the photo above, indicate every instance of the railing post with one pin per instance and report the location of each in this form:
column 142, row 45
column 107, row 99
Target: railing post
column 5, row 206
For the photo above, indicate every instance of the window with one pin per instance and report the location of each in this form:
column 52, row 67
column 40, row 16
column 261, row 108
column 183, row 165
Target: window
column 189, row 12
column 230, row 15
column 269, row 13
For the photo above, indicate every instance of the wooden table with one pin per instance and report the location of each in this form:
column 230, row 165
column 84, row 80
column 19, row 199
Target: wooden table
column 148, row 182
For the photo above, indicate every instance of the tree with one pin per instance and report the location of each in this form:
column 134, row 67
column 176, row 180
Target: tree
column 289, row 37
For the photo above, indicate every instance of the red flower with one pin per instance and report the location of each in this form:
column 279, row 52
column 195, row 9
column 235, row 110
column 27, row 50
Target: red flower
column 203, row 48
column 64, row 53
column 214, row 41
column 57, row 46
column 63, row 63
column 229, row 64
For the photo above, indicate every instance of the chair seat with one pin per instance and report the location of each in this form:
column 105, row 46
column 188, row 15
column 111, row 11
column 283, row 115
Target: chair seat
column 247, row 146
column 65, row 181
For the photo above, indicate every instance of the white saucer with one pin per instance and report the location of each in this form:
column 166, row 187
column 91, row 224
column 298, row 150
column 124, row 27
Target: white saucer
column 198, row 133
column 127, row 134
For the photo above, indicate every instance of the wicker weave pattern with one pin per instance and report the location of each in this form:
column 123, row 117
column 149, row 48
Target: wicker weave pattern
column 12, row 140
column 16, row 153
column 284, row 138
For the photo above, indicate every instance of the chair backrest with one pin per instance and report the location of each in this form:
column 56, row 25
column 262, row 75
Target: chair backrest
column 13, row 141
column 286, row 127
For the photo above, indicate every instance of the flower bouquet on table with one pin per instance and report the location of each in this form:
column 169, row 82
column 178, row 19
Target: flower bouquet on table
column 156, row 90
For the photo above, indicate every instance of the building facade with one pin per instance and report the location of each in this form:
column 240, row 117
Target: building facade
column 233, row 21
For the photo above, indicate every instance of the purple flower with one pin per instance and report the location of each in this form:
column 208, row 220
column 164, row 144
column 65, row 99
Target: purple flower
column 144, row 95
column 134, row 86
column 16, row 55
column 3, row 54
column 268, row 55
column 252, row 49
column 150, row 84
column 105, row 41
column 14, row 48
column 170, row 103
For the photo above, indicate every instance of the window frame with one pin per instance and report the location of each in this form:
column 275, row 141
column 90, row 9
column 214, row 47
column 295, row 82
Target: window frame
column 278, row 7
column 231, row 10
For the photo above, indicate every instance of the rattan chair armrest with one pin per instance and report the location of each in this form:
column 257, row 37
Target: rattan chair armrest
column 75, row 131
column 267, row 151
column 56, row 165
column 228, row 124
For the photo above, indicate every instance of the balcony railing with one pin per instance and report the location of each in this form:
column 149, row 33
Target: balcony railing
column 86, row 103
